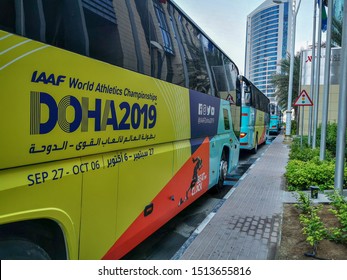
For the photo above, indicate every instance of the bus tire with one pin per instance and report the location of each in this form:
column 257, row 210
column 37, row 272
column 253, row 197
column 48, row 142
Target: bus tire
column 255, row 149
column 19, row 249
column 223, row 170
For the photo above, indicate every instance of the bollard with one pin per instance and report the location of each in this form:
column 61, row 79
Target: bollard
column 314, row 192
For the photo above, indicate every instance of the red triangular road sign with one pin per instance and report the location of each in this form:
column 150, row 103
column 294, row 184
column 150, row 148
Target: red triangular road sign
column 303, row 99
column 231, row 99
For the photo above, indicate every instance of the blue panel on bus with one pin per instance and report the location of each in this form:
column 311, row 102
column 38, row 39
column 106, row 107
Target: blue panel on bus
column 204, row 114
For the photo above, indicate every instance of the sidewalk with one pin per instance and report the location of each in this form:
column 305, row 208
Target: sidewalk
column 247, row 226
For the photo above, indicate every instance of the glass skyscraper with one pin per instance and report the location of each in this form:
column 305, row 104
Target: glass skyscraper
column 267, row 42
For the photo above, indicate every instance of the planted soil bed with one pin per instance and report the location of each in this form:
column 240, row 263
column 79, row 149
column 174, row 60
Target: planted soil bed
column 293, row 243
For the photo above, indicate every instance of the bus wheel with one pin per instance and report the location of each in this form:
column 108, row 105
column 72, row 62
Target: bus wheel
column 223, row 171
column 16, row 249
column 255, row 149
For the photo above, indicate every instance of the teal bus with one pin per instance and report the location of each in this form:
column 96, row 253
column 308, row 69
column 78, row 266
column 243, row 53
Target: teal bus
column 275, row 119
column 254, row 116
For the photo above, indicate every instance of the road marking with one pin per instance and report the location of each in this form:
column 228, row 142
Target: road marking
column 229, row 193
column 204, row 223
column 243, row 176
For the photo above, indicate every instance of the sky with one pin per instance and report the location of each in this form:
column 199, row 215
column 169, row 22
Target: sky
column 224, row 21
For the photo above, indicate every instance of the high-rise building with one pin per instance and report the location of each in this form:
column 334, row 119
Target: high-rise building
column 267, row 42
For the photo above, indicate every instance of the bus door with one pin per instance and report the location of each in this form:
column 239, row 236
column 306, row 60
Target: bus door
column 99, row 203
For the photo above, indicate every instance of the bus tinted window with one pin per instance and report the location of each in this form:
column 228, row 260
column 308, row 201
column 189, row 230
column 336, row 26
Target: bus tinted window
column 63, row 25
column 8, row 19
column 98, row 24
column 148, row 37
column 231, row 73
column 194, row 57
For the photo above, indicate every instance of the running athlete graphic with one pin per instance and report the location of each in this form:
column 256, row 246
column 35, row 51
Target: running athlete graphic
column 197, row 167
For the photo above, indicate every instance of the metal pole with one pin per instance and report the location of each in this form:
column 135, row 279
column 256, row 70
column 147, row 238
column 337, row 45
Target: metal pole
column 326, row 83
column 299, row 90
column 312, row 70
column 342, row 115
column 291, row 73
column 302, row 108
column 317, row 84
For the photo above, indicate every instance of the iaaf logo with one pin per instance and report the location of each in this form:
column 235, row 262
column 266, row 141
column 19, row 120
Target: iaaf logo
column 205, row 110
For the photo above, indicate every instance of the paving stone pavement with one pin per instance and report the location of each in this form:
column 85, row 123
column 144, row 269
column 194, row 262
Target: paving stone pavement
column 247, row 226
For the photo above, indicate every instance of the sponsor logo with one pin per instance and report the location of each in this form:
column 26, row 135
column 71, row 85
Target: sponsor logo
column 205, row 110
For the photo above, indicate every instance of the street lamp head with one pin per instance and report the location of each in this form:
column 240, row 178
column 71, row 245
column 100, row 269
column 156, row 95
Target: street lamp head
column 277, row 1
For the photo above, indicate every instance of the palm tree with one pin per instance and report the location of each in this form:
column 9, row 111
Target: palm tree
column 281, row 80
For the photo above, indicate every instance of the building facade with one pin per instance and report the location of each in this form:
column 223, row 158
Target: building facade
column 267, row 42
column 305, row 84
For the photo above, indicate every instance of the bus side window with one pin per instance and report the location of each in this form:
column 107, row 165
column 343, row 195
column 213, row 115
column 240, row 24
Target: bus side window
column 161, row 45
column 100, row 19
column 194, row 57
column 226, row 119
column 8, row 19
column 64, row 25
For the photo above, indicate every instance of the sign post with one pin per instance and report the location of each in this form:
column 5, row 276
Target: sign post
column 303, row 100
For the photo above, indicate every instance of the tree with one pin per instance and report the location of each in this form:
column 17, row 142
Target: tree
column 281, row 80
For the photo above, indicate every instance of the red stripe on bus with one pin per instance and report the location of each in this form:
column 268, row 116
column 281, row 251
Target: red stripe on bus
column 168, row 203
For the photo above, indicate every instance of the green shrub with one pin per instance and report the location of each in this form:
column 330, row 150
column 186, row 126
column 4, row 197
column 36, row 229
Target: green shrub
column 301, row 175
column 339, row 204
column 306, row 153
column 304, row 202
column 313, row 227
column 293, row 127
column 331, row 136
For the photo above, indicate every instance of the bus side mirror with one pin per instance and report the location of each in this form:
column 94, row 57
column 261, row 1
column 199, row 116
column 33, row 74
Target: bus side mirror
column 238, row 92
column 238, row 98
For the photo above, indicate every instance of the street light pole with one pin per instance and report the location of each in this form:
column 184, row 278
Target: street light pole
column 294, row 11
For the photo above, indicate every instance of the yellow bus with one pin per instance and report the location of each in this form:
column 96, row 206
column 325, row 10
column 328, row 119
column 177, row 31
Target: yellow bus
column 111, row 120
